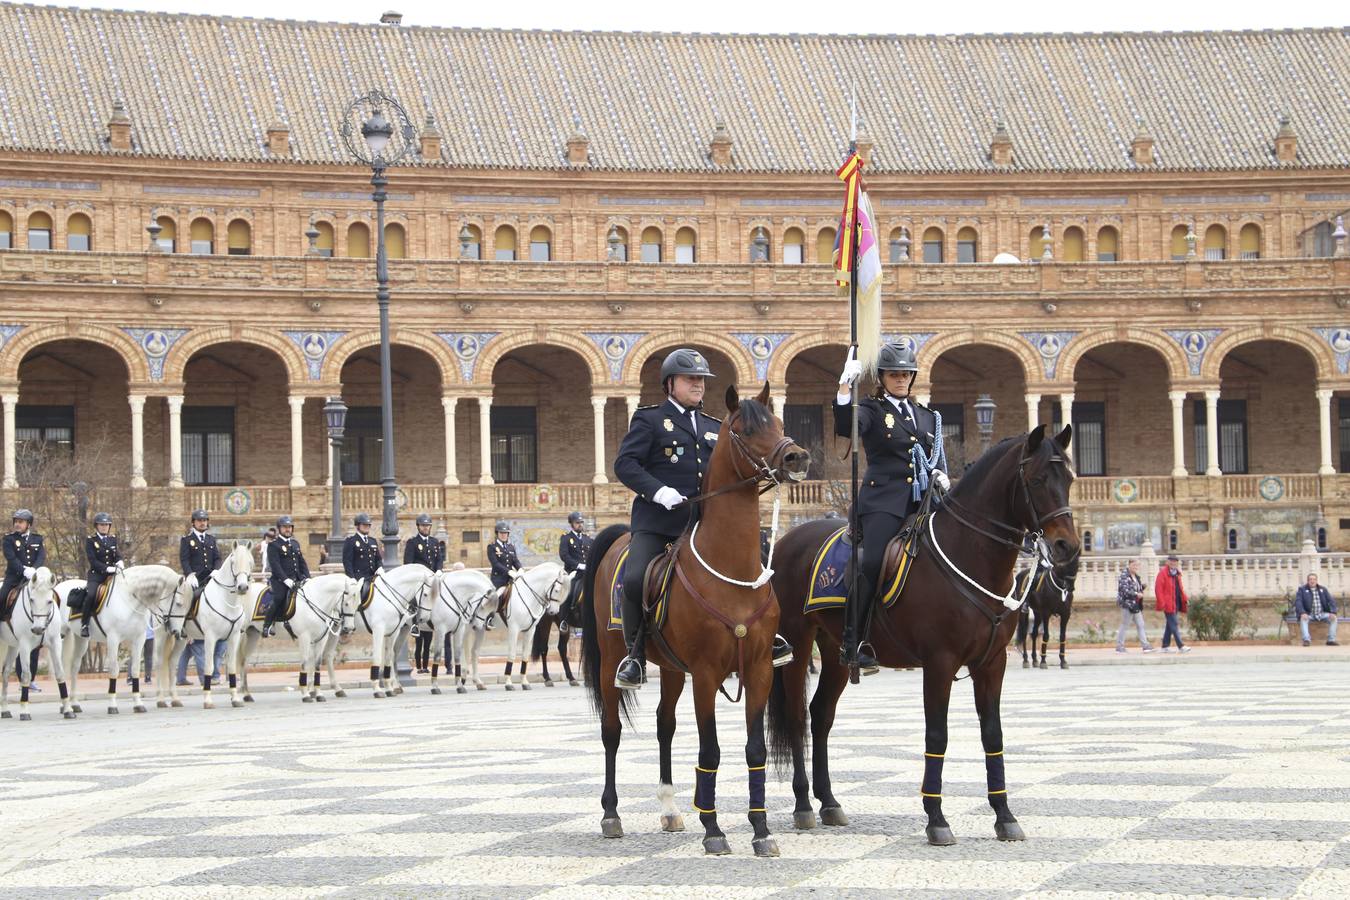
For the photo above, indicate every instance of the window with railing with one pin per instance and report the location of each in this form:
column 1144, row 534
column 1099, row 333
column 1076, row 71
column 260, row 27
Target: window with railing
column 1232, row 437
column 79, row 233
column 42, row 435
column 1343, row 406
column 361, row 446
column 1249, row 242
column 954, row 436
column 514, row 444
column 1216, row 243
column 208, row 444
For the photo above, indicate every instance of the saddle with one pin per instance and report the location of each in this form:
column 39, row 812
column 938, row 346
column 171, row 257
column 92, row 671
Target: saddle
column 504, row 601
column 365, row 593
column 265, row 600
column 85, row 607
column 7, row 605
column 655, row 589
column 830, row 571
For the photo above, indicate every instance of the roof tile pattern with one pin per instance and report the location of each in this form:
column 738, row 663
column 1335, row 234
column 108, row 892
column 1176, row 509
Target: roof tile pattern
column 207, row 87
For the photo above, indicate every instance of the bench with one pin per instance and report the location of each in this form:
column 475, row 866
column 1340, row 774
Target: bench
column 1316, row 630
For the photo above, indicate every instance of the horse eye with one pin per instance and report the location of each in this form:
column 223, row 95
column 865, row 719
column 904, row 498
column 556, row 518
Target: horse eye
column 1038, row 480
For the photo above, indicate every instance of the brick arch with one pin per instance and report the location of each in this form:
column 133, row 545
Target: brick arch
column 1178, row 369
column 798, row 344
column 1032, row 372
column 732, row 349
column 175, row 365
column 31, row 338
column 504, row 344
column 1323, row 360
column 343, row 349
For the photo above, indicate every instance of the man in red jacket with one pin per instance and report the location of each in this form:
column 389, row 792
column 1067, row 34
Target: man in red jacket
column 1171, row 601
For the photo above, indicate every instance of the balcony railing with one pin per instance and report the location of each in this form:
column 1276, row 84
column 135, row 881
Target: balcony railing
column 1240, row 575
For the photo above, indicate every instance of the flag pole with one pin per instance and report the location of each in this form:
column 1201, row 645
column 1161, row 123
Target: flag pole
column 854, row 525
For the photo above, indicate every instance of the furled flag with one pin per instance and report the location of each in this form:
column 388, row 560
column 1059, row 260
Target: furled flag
column 860, row 258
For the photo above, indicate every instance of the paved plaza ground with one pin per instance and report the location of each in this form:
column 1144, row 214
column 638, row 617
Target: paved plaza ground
column 1229, row 777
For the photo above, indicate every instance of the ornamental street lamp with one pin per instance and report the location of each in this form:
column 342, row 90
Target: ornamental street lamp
column 984, row 420
column 384, row 143
column 335, row 414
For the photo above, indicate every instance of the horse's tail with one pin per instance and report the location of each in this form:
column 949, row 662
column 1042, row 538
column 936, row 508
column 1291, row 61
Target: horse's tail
column 786, row 722
column 590, row 640
column 539, row 646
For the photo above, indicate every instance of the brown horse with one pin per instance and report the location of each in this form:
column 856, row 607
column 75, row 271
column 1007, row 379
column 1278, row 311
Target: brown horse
column 721, row 619
column 957, row 609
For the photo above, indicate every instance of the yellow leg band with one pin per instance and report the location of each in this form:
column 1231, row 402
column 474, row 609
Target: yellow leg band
column 713, row 810
column 758, row 809
column 1004, row 791
column 701, row 769
column 995, row 753
column 758, row 768
column 936, row 755
column 922, row 794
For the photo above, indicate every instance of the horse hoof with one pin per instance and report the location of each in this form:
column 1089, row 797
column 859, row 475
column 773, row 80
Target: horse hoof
column 77, row 708
column 510, row 686
column 320, row 698
column 573, row 682
column 339, row 693
column 1025, row 664
column 833, row 815
column 436, row 691
column 67, row 715
column 236, row 703
column 611, row 828
column 525, row 686
column 208, row 705
column 461, row 690
column 940, row 835
column 765, row 847
column 1063, row 663
column 548, row 684
column 1009, row 831
column 25, row 717
column 481, row 687
column 716, row 845
column 176, row 704
column 6, row 715
column 112, row 710
column 161, row 704
column 139, row 708
column 1044, row 665
column 379, row 695
column 308, row 699
column 804, row 819
column 396, row 691
column 248, row 698
column 672, row 823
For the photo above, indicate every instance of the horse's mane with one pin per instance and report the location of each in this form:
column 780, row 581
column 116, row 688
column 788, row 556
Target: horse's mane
column 754, row 416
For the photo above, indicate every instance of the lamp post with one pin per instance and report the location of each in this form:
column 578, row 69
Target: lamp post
column 384, row 143
column 984, row 420
column 335, row 414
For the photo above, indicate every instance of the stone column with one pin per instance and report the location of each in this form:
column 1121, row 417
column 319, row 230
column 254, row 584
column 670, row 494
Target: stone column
column 449, row 404
column 137, row 402
column 11, row 401
column 1065, row 409
column 1178, row 399
column 1212, row 432
column 598, row 420
column 632, row 402
column 485, row 439
column 175, row 441
column 779, row 402
column 297, row 441
column 1033, row 411
column 1324, row 427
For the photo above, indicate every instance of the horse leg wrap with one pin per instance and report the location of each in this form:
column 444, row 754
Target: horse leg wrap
column 23, row 693
column 757, row 775
column 435, row 668
column 234, row 681
column 112, row 686
column 206, row 684
column 61, row 687
column 317, row 675
column 509, row 663
column 374, row 674
column 135, row 686
column 932, row 777
column 388, row 672
column 993, row 771
column 705, row 789
column 304, row 679
column 458, row 674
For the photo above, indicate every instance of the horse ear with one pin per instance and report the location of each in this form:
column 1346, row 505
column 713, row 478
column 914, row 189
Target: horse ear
column 1035, row 438
column 733, row 399
column 763, row 397
column 1064, row 437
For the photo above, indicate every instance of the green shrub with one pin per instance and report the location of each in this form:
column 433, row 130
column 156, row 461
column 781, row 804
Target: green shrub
column 1217, row 620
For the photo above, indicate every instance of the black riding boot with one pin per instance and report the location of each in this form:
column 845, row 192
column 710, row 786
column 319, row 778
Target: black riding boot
column 854, row 651
column 270, row 622
column 633, row 668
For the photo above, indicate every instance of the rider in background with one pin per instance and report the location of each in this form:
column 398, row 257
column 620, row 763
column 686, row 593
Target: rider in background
column 893, row 428
column 198, row 555
column 503, row 559
column 427, row 550
column 105, row 559
column 361, row 553
column 573, row 548
column 24, row 553
column 288, row 567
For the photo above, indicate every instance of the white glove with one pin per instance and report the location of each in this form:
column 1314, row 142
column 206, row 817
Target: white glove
column 111, row 570
column 290, row 583
column 852, row 368
column 29, row 572
column 514, row 573
column 668, row 497
column 581, row 567
column 941, row 480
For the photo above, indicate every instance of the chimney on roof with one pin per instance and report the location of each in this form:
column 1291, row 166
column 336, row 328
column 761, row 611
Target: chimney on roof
column 863, row 144
column 578, row 149
column 119, row 127
column 279, row 139
column 720, row 146
column 1001, row 146
column 391, row 18
column 1286, row 142
column 1141, row 148
column 430, row 140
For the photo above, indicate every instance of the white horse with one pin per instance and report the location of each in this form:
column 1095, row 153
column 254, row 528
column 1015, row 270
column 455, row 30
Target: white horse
column 319, row 606
column 455, row 606
column 218, row 617
column 36, row 617
column 397, row 595
column 534, row 592
column 134, row 596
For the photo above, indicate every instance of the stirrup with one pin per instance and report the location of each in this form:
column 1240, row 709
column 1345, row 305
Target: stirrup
column 866, row 660
column 782, row 651
column 624, row 684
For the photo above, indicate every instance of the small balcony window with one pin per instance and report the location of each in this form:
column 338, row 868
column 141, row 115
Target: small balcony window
column 79, row 233
column 39, row 231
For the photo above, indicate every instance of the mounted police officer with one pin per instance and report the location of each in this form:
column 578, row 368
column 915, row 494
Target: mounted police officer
column 105, row 560
column 894, row 430
column 503, row 559
column 361, row 553
column 197, row 552
column 24, row 553
column 287, row 564
column 424, row 548
column 573, row 549
column 663, row 459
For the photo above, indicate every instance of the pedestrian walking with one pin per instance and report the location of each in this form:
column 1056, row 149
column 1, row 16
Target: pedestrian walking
column 1171, row 602
column 1130, row 598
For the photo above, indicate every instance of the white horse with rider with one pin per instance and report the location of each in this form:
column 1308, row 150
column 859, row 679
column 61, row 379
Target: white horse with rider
column 35, row 619
column 394, row 599
column 216, row 617
column 456, row 604
column 533, row 592
column 320, row 605
column 136, row 596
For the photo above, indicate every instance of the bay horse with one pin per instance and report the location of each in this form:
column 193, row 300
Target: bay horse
column 721, row 618
column 957, row 608
column 1049, row 596
column 567, row 618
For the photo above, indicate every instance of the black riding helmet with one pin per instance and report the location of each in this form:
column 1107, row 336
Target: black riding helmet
column 896, row 357
column 102, row 519
column 684, row 362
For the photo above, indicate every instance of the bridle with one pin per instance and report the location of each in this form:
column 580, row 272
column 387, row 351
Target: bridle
column 467, row 611
column 766, row 470
column 26, row 602
column 1021, row 538
column 544, row 600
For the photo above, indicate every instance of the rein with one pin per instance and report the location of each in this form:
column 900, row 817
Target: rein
column 467, row 611
column 738, row 629
column 25, row 601
column 543, row 601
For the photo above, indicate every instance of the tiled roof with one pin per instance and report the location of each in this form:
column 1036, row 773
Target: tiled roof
column 208, row 87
